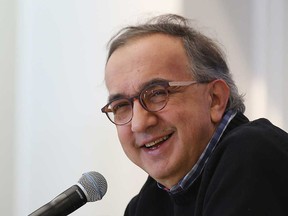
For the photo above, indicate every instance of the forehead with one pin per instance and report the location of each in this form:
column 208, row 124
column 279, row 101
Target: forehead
column 156, row 56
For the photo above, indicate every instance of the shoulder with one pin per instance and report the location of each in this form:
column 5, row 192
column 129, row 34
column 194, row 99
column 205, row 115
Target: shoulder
column 247, row 172
column 259, row 127
column 257, row 149
column 255, row 138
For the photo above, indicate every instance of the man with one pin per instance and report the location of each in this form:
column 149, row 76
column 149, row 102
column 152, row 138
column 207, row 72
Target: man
column 180, row 118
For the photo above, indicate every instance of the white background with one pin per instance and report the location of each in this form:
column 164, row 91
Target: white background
column 52, row 58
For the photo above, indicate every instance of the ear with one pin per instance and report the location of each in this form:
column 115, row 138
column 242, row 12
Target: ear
column 219, row 93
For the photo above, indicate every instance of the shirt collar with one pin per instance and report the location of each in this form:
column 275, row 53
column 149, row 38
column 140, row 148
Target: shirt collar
column 196, row 170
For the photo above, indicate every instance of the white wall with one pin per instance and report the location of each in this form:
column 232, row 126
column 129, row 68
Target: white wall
column 52, row 67
column 253, row 35
column 7, row 104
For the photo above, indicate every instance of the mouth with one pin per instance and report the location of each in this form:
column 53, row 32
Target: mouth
column 156, row 143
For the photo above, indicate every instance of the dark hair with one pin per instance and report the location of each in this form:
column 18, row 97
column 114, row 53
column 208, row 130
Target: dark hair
column 207, row 61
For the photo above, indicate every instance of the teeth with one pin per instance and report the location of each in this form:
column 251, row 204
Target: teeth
column 148, row 145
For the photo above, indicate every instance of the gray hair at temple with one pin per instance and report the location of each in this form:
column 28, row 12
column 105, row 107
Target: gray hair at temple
column 207, row 60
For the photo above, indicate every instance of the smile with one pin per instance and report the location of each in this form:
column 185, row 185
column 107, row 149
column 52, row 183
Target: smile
column 157, row 142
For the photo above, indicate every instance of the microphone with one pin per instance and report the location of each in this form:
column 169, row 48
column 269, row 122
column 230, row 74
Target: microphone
column 91, row 187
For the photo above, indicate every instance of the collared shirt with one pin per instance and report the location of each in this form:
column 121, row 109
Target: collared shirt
column 195, row 172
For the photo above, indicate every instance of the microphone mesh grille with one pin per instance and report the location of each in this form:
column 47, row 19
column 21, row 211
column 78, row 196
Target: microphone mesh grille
column 94, row 184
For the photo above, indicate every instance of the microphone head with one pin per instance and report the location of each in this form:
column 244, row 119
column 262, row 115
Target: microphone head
column 94, row 184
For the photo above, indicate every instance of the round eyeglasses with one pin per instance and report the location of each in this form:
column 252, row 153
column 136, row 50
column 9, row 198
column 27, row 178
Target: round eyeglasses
column 153, row 98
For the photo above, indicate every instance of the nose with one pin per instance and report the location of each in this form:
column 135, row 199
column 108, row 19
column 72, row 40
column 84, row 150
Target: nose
column 142, row 119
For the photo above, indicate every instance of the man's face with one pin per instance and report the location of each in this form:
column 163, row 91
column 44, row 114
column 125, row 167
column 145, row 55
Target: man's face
column 176, row 135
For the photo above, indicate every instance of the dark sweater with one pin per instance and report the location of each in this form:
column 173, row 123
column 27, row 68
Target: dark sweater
column 247, row 174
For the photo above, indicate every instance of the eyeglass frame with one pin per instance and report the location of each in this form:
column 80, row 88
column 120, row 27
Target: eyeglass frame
column 165, row 84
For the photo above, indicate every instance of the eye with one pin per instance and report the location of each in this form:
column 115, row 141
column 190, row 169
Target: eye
column 156, row 95
column 120, row 106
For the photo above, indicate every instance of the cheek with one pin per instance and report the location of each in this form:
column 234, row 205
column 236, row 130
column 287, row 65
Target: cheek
column 193, row 123
column 126, row 140
column 123, row 135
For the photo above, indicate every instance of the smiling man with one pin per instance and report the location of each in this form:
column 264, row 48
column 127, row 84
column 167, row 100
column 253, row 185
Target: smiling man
column 180, row 118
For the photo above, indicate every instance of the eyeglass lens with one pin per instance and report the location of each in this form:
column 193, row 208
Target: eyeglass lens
column 153, row 99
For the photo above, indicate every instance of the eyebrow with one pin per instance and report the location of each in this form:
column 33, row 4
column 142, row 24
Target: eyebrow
column 142, row 86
